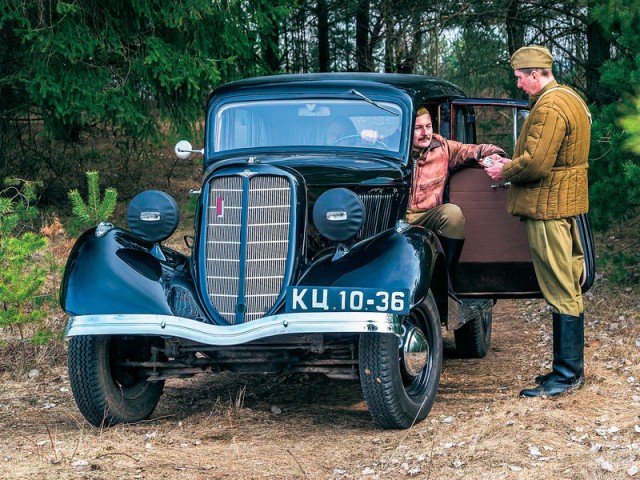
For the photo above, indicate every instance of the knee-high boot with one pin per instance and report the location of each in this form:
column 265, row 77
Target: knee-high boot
column 452, row 250
column 568, row 358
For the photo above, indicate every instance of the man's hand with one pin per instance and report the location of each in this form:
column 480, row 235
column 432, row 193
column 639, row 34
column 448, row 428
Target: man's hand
column 493, row 166
column 370, row 136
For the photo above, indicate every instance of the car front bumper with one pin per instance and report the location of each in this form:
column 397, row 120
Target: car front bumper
column 185, row 328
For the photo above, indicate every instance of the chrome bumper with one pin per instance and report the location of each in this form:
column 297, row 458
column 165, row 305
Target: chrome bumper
column 288, row 323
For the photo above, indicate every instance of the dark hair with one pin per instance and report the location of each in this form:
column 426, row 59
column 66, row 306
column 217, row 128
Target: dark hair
column 545, row 72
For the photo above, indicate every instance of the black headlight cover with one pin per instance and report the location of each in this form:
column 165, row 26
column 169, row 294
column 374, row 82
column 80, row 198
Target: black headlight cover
column 338, row 214
column 153, row 215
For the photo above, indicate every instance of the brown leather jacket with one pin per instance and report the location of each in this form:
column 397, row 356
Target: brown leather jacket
column 548, row 174
column 437, row 162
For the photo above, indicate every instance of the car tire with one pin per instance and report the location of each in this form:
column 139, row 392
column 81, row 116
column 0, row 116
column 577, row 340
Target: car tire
column 399, row 390
column 473, row 339
column 105, row 393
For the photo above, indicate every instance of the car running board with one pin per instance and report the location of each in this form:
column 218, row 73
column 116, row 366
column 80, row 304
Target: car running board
column 462, row 311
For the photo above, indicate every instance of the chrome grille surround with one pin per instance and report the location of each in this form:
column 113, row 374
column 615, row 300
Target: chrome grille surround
column 247, row 243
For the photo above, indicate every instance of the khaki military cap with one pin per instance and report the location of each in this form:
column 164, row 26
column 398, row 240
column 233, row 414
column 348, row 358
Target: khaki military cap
column 531, row 57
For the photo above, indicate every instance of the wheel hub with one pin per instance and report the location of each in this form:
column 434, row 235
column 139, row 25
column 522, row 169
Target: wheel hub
column 415, row 351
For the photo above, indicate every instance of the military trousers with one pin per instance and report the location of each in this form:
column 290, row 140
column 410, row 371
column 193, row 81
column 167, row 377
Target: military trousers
column 445, row 220
column 558, row 259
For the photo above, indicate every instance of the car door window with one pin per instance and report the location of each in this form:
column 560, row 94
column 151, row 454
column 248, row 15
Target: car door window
column 494, row 121
column 460, row 126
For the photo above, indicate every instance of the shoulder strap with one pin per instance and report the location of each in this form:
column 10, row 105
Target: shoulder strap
column 584, row 105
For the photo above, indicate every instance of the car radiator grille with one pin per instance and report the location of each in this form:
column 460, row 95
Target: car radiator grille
column 247, row 240
column 378, row 208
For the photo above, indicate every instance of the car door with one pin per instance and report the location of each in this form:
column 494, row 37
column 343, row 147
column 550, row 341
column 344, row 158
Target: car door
column 496, row 260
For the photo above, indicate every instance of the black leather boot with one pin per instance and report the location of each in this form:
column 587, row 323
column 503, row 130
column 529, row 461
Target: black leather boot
column 540, row 379
column 452, row 250
column 568, row 358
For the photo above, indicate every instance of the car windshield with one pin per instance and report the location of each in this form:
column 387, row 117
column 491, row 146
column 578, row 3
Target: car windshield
column 322, row 122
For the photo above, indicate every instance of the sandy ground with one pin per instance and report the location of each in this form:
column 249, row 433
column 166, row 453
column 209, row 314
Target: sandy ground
column 310, row 427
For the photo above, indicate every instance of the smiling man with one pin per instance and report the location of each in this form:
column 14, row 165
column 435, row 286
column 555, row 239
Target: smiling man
column 435, row 158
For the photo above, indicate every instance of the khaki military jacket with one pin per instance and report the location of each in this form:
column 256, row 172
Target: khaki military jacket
column 436, row 162
column 548, row 173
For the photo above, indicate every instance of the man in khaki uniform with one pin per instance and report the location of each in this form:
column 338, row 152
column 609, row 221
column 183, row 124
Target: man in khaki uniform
column 549, row 188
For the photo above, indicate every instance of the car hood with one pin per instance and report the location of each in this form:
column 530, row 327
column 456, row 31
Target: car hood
column 331, row 169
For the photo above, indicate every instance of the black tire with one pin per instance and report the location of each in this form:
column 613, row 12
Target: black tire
column 105, row 393
column 473, row 339
column 395, row 397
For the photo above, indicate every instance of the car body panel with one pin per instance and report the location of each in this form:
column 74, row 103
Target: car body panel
column 392, row 260
column 116, row 274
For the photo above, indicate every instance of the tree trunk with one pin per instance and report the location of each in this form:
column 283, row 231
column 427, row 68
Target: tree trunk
column 514, row 26
column 598, row 52
column 389, row 41
column 408, row 62
column 362, row 37
column 269, row 39
column 323, row 35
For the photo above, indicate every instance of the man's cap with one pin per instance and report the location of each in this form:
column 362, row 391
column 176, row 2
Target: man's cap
column 533, row 56
column 422, row 111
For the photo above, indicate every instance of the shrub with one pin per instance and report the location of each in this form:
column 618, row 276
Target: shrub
column 21, row 273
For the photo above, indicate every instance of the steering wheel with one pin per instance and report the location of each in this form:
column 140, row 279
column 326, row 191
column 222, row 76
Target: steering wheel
column 375, row 143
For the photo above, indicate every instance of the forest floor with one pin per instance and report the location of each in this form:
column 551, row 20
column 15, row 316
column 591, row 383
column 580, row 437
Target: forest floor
column 310, row 427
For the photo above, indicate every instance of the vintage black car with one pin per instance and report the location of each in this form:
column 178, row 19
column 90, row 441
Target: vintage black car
column 301, row 259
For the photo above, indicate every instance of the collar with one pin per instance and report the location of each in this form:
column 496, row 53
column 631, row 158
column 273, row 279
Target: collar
column 534, row 98
column 436, row 141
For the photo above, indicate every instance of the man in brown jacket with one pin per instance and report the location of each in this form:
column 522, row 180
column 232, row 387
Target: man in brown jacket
column 435, row 158
column 549, row 188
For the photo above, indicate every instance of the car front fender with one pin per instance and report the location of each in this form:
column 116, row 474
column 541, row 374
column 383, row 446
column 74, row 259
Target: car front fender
column 392, row 260
column 116, row 274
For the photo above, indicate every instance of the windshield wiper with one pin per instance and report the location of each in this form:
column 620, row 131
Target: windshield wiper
column 375, row 104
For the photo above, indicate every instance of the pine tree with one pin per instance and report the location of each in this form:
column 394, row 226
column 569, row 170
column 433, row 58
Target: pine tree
column 21, row 275
column 94, row 210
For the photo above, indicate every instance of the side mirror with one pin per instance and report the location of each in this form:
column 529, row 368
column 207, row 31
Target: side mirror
column 183, row 150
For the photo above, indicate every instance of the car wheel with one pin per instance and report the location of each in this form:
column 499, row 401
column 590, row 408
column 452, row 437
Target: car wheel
column 400, row 376
column 107, row 393
column 473, row 339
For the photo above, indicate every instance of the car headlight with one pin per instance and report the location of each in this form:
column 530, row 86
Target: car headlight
column 153, row 215
column 338, row 214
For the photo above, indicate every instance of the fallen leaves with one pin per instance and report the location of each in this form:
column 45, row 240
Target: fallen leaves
column 604, row 465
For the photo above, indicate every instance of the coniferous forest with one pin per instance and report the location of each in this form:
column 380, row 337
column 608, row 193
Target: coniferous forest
column 93, row 85
column 93, row 96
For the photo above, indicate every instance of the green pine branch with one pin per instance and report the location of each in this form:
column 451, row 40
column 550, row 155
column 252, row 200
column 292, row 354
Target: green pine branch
column 95, row 209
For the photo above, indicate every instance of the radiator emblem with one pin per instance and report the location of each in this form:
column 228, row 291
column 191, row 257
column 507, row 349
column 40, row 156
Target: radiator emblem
column 219, row 207
column 247, row 173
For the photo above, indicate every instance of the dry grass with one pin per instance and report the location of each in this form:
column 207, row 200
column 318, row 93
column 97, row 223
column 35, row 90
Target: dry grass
column 225, row 427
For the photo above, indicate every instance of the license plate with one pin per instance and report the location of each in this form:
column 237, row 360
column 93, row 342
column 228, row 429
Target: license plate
column 347, row 299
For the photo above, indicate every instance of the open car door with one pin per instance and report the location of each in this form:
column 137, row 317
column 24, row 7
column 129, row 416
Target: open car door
column 496, row 259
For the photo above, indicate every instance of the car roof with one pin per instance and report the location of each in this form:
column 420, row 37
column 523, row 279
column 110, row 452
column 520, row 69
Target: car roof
column 419, row 88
